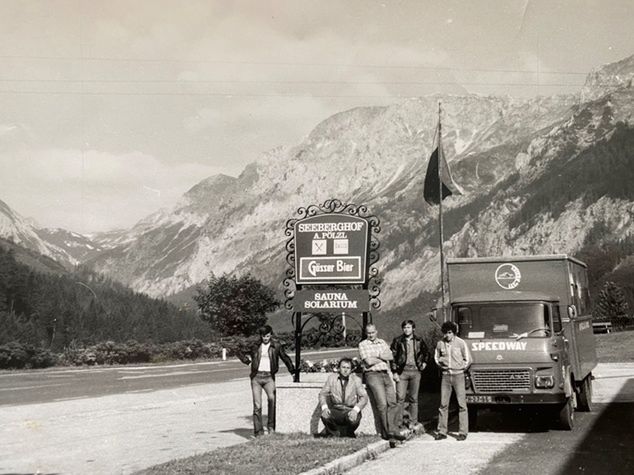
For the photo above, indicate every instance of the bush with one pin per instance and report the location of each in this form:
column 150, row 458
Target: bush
column 14, row 355
column 190, row 350
column 132, row 352
column 239, row 346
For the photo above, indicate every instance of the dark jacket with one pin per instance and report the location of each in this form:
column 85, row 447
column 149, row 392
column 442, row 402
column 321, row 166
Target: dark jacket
column 399, row 350
column 276, row 351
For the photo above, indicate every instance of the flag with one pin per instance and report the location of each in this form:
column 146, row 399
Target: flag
column 449, row 186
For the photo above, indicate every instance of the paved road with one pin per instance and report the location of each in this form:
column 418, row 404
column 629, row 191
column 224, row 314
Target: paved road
column 60, row 384
column 121, row 432
column 121, row 419
column 601, row 441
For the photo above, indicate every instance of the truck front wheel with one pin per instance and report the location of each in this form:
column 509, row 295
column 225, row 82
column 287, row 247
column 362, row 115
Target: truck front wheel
column 566, row 416
column 585, row 394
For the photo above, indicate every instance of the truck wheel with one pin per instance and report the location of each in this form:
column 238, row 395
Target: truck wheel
column 472, row 412
column 566, row 419
column 585, row 394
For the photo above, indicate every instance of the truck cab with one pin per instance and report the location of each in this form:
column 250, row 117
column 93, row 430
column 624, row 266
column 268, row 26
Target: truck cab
column 520, row 319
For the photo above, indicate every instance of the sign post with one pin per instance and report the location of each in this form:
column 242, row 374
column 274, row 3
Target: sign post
column 331, row 251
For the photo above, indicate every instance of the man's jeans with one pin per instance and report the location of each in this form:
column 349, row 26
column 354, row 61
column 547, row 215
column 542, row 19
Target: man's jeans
column 263, row 380
column 455, row 381
column 407, row 393
column 338, row 424
column 384, row 398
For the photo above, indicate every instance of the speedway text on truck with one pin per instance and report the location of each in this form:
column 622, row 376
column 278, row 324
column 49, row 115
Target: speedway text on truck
column 528, row 325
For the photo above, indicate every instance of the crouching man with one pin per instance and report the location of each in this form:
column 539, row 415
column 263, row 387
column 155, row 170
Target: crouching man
column 342, row 398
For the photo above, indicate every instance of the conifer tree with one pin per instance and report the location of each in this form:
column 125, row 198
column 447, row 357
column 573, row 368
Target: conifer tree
column 611, row 305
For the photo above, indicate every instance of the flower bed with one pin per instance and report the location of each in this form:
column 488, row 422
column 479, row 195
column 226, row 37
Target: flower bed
column 328, row 366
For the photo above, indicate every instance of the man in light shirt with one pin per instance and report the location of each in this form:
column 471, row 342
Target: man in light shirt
column 264, row 360
column 342, row 398
column 453, row 358
column 376, row 355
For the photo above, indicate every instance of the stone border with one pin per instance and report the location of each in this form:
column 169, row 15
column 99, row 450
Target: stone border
column 350, row 461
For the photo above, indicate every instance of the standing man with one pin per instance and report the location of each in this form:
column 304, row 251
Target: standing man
column 453, row 358
column 376, row 356
column 342, row 398
column 264, row 360
column 410, row 358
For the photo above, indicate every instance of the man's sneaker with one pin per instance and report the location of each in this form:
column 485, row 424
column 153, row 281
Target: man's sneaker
column 418, row 428
column 440, row 436
column 461, row 437
column 398, row 436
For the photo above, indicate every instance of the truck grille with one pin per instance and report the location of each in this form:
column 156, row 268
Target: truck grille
column 501, row 380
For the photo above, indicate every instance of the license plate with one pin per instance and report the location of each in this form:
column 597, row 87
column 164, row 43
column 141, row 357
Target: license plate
column 480, row 399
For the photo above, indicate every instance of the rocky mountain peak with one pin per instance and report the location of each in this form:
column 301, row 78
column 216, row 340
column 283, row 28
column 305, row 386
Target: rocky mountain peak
column 607, row 78
column 216, row 185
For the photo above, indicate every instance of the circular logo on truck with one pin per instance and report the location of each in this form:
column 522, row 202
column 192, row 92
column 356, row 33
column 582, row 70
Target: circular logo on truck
column 508, row 276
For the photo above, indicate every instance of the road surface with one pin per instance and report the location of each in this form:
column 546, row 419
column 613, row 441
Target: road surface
column 114, row 420
column 119, row 420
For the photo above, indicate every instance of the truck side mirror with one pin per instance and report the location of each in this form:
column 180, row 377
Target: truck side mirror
column 572, row 313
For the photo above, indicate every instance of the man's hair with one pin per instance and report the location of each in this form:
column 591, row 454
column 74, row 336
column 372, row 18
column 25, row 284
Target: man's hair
column 370, row 325
column 265, row 329
column 346, row 360
column 449, row 327
column 408, row 322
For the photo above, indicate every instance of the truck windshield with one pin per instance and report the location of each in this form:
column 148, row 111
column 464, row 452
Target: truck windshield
column 504, row 320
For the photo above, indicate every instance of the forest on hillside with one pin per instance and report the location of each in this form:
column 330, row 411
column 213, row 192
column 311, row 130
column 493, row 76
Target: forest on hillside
column 82, row 308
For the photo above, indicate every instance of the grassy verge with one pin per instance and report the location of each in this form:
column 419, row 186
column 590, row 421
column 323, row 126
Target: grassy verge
column 615, row 347
column 277, row 453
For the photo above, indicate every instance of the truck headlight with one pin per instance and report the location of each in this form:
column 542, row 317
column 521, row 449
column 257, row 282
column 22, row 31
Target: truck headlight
column 544, row 382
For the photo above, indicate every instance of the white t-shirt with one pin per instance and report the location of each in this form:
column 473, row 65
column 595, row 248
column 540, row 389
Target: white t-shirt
column 265, row 361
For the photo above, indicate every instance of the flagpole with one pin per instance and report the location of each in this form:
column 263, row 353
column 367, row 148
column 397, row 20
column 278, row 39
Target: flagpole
column 440, row 221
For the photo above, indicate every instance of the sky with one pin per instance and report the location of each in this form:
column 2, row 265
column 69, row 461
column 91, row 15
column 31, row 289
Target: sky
column 110, row 110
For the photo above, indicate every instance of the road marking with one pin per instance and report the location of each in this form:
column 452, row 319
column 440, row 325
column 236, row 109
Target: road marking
column 30, row 387
column 162, row 375
column 71, row 398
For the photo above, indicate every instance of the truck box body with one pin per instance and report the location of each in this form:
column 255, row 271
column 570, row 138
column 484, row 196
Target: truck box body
column 527, row 323
column 558, row 276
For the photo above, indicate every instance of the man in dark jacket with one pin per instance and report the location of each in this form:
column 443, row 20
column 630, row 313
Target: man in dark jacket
column 410, row 358
column 264, row 360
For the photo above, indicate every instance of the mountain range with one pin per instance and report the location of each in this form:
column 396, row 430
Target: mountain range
column 541, row 175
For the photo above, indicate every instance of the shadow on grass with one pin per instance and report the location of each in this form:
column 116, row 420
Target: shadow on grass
column 241, row 432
